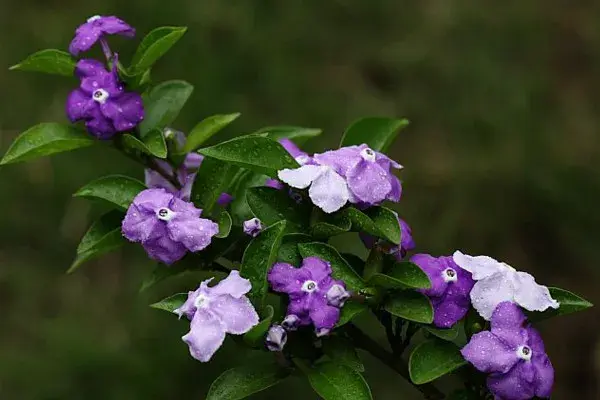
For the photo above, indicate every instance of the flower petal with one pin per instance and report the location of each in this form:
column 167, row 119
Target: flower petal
column 322, row 315
column 369, row 182
column 193, row 232
column 85, row 38
column 234, row 285
column 98, row 125
column 113, row 25
column 433, row 268
column 530, row 295
column 79, row 105
column 285, row 278
column 480, row 266
column 205, row 337
column 318, row 269
column 237, row 315
column 153, row 179
column 449, row 309
column 515, row 384
column 489, row 292
column 507, row 324
column 396, row 192
column 300, row 178
column 161, row 248
column 341, row 160
column 544, row 375
column 138, row 224
column 329, row 191
column 291, row 147
column 489, row 354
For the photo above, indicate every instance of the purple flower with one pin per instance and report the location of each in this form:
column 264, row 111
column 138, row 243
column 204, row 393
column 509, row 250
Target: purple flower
column 215, row 311
column 300, row 156
column 166, row 226
column 513, row 355
column 310, row 289
column 399, row 251
column 450, row 287
column 252, row 227
column 102, row 102
column 274, row 183
column 94, row 29
column 276, row 338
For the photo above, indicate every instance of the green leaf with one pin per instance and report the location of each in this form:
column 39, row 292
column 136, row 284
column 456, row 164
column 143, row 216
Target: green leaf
column 224, row 225
column 402, row 275
column 240, row 382
column 154, row 45
column 45, row 139
column 376, row 132
column 341, row 268
column 48, row 61
column 569, row 303
column 118, row 190
column 432, row 359
column 410, row 305
column 377, row 221
column 171, row 303
column 325, row 226
column 212, row 179
column 338, row 382
column 296, row 134
column 163, row 104
column 271, row 205
column 240, row 210
column 255, row 337
column 341, row 351
column 256, row 153
column 351, row 310
column 259, row 257
column 103, row 236
column 207, row 128
column 446, row 334
column 288, row 251
column 153, row 144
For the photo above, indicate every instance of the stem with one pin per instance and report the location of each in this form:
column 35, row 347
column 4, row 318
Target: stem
column 363, row 341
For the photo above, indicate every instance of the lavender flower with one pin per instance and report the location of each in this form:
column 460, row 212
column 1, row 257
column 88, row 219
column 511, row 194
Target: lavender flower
column 166, row 226
column 94, row 29
column 252, row 227
column 102, row 102
column 308, row 288
column 498, row 282
column 276, row 338
column 215, row 311
column 407, row 242
column 513, row 355
column 450, row 287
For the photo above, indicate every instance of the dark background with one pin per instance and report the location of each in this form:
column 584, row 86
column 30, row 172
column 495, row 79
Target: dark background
column 501, row 158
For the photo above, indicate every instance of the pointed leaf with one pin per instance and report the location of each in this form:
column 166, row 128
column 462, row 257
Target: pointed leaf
column 340, row 267
column 154, row 46
column 212, row 179
column 296, row 134
column 341, row 351
column 271, row 205
column 378, row 133
column 240, row 210
column 255, row 337
column 433, row 359
column 171, row 303
column 324, row 226
column 118, row 190
column 402, row 275
column 446, row 334
column 163, row 104
column 288, row 251
column 48, row 61
column 410, row 305
column 153, row 144
column 45, row 139
column 207, row 128
column 377, row 221
column 569, row 303
column 224, row 225
column 240, row 382
column 351, row 310
column 256, row 153
column 338, row 382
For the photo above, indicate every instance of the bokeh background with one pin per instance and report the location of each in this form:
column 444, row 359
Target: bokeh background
column 501, row 158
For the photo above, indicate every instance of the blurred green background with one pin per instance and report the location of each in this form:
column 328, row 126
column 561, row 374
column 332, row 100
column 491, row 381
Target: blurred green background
column 501, row 158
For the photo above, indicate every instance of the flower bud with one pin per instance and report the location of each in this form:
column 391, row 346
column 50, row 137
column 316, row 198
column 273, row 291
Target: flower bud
column 252, row 227
column 337, row 295
column 276, row 338
column 290, row 322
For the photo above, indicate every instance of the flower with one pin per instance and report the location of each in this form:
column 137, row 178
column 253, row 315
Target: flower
column 450, row 287
column 276, row 338
column 498, row 282
column 102, row 102
column 310, row 289
column 407, row 242
column 354, row 173
column 513, row 355
column 166, row 226
column 215, row 311
column 300, row 156
column 94, row 29
column 252, row 227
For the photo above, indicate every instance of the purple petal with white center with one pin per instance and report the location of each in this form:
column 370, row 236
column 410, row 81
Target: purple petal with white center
column 369, row 182
column 193, row 232
column 530, row 295
column 287, row 279
column 489, row 354
column 205, row 337
column 516, row 384
column 489, row 292
column 328, row 191
column 480, row 267
column 433, row 268
column 301, row 178
column 237, row 315
column 234, row 285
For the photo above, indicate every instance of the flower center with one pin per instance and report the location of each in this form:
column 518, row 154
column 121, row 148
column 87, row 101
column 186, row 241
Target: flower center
column 100, row 95
column 309, row 286
column 524, row 353
column 164, row 214
column 449, row 275
column 201, row 301
column 368, row 154
column 93, row 18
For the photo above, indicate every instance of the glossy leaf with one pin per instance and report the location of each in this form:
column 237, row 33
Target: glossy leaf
column 569, row 303
column 376, row 132
column 212, row 179
column 324, row 226
column 163, row 104
column 153, row 143
column 288, row 251
column 341, row 351
column 341, row 268
column 154, row 45
column 259, row 257
column 240, row 382
column 118, row 190
column 245, row 179
column 403, row 274
column 224, row 225
column 410, row 305
column 171, row 303
column 207, row 128
column 351, row 310
column 446, row 334
column 255, row 337
column 433, row 359
column 48, row 61
column 338, row 382
column 376, row 221
column 256, row 153
column 103, row 237
column 45, row 139
column 296, row 134
column 271, row 205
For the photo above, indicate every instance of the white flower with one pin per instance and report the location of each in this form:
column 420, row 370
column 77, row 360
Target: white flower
column 498, row 282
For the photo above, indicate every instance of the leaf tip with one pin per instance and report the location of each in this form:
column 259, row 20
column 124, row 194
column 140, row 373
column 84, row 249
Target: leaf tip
column 13, row 67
